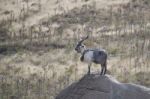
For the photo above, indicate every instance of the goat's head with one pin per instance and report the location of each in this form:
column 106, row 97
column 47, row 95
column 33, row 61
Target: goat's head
column 80, row 47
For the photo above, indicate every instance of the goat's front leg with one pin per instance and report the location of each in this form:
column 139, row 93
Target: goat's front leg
column 89, row 68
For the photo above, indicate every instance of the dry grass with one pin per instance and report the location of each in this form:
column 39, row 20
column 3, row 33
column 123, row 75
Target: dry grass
column 37, row 57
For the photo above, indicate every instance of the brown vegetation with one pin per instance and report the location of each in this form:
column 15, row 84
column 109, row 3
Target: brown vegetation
column 37, row 38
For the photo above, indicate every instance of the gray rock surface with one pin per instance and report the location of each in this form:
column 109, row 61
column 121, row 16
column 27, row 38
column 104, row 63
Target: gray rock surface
column 103, row 87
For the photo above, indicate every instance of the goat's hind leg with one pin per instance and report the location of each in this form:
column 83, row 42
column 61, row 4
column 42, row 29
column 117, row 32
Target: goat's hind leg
column 89, row 69
column 105, row 66
column 102, row 69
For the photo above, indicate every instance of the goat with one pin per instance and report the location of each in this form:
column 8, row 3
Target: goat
column 97, row 56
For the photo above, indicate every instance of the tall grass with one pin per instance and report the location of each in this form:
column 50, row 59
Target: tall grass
column 122, row 30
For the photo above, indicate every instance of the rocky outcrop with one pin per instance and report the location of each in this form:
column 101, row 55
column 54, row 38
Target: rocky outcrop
column 103, row 87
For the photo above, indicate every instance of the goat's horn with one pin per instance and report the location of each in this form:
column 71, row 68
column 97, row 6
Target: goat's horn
column 84, row 39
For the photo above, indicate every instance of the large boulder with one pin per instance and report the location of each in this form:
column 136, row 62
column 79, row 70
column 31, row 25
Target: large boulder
column 103, row 87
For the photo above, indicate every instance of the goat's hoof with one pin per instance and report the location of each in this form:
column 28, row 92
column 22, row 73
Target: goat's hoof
column 88, row 73
column 101, row 74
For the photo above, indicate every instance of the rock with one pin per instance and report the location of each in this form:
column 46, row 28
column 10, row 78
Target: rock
column 103, row 87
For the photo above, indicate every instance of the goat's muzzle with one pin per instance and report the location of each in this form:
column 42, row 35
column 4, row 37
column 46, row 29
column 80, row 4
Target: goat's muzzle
column 77, row 50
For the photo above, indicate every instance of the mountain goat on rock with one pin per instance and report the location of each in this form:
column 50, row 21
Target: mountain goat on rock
column 97, row 56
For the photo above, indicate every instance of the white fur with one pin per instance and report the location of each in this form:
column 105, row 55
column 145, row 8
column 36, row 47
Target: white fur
column 88, row 57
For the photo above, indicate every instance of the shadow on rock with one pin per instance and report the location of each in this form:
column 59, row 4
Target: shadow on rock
column 103, row 87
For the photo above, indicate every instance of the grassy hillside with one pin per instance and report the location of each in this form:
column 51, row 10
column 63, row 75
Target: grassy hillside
column 37, row 40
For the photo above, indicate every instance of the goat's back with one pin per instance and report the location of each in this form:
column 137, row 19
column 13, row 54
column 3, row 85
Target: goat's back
column 99, row 56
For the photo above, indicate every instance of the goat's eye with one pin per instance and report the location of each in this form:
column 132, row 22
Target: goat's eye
column 82, row 46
